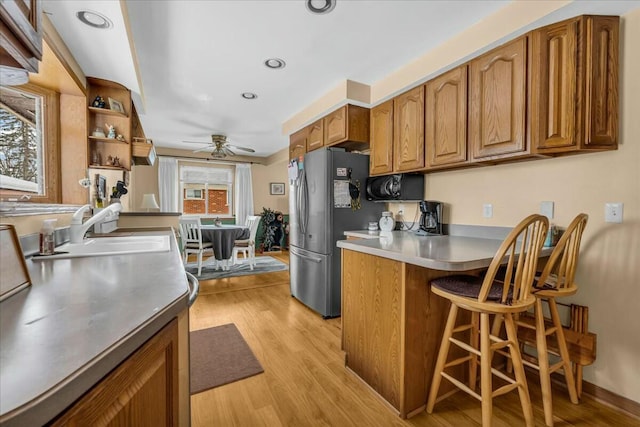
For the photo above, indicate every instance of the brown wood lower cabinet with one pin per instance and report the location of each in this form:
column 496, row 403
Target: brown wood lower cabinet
column 392, row 325
column 142, row 391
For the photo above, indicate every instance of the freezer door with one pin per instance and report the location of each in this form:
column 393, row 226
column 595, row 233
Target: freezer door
column 309, row 278
column 314, row 202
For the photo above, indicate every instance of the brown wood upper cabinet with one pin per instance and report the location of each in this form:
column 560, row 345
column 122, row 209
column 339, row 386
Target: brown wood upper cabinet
column 497, row 103
column 315, row 138
column 445, row 124
column 347, row 123
column 21, row 34
column 298, row 143
column 574, row 97
column 381, row 137
column 408, row 130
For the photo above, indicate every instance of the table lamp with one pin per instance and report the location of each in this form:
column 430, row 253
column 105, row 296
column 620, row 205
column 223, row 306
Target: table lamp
column 149, row 202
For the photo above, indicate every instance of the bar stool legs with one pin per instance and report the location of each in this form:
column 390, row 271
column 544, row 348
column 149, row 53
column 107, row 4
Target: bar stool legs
column 545, row 370
column 488, row 344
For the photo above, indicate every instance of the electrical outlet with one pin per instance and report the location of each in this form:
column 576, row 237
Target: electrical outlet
column 546, row 209
column 400, row 209
column 613, row 212
column 487, row 210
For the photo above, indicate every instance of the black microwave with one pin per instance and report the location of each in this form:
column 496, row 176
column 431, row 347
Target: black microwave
column 398, row 187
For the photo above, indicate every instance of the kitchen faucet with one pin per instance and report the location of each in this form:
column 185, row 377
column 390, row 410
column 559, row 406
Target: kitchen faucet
column 78, row 229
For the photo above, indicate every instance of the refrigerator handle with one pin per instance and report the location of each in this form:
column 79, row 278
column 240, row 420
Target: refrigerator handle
column 305, row 202
column 299, row 202
column 307, row 257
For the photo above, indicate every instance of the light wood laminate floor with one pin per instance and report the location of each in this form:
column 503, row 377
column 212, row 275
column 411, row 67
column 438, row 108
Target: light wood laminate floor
column 305, row 382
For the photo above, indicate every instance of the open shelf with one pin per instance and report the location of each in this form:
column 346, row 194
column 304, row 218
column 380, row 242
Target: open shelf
column 116, row 168
column 107, row 111
column 111, row 140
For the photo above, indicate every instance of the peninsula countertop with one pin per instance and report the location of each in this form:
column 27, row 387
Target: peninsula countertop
column 80, row 318
column 450, row 253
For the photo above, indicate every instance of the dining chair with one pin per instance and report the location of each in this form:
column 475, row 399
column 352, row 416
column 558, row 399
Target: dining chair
column 191, row 236
column 555, row 280
column 248, row 246
column 485, row 296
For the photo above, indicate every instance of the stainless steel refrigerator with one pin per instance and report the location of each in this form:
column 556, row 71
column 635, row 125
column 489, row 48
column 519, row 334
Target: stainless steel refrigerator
column 320, row 211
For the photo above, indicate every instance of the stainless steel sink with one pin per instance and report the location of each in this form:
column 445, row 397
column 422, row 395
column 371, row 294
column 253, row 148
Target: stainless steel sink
column 110, row 246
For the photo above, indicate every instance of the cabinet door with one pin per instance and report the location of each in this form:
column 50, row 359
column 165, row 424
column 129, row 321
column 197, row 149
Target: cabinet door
column 142, row 391
column 601, row 82
column 554, row 85
column 497, row 111
column 335, row 126
column 21, row 34
column 446, row 118
column 298, row 143
column 315, row 138
column 408, row 130
column 381, row 156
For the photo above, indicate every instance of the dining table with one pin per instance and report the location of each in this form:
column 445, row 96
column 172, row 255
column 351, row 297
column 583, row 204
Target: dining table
column 223, row 238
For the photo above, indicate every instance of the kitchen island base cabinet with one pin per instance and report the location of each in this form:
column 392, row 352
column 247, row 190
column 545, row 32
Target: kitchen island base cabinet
column 391, row 328
column 142, row 391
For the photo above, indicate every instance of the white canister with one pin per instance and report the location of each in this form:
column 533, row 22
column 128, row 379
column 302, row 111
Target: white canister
column 387, row 223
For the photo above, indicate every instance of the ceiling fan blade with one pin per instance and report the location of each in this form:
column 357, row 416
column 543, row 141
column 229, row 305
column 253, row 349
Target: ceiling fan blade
column 197, row 142
column 202, row 149
column 250, row 150
column 227, row 151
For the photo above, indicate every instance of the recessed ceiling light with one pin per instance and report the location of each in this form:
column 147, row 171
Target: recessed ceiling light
column 321, row 7
column 94, row 19
column 275, row 63
column 249, row 95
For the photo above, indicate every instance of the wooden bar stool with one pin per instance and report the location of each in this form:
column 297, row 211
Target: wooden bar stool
column 556, row 280
column 484, row 297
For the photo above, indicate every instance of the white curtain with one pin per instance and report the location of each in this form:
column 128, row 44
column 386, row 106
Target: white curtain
column 243, row 193
column 168, row 184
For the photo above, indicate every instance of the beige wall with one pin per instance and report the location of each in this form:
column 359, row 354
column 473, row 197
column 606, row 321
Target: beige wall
column 144, row 180
column 274, row 170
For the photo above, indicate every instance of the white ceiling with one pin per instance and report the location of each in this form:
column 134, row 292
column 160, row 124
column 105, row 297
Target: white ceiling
column 195, row 58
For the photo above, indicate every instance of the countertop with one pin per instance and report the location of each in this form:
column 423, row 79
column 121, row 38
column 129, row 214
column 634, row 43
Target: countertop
column 449, row 253
column 79, row 319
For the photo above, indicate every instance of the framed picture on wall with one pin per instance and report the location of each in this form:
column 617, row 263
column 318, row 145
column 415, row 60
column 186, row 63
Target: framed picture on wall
column 277, row 188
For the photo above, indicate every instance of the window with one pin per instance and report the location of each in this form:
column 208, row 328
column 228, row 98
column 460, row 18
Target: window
column 206, row 190
column 29, row 154
column 194, row 194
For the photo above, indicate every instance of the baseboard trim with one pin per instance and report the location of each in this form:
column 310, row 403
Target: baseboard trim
column 597, row 393
column 609, row 398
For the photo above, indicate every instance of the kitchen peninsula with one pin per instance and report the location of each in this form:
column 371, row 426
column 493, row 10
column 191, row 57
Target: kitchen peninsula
column 94, row 336
column 392, row 323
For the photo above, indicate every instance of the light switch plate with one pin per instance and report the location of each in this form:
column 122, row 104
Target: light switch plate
column 613, row 212
column 487, row 210
column 546, row 209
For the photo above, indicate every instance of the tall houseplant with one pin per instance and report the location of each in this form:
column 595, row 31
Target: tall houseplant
column 272, row 231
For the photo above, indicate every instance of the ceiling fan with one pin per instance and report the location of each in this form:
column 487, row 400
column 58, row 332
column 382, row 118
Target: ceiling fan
column 220, row 147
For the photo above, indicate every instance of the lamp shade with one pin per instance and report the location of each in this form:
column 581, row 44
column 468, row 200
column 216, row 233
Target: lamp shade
column 149, row 202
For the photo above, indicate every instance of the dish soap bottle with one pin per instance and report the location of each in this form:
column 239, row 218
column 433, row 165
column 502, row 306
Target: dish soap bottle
column 48, row 237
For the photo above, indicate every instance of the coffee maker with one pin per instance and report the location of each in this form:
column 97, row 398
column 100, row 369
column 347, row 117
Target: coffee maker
column 431, row 217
